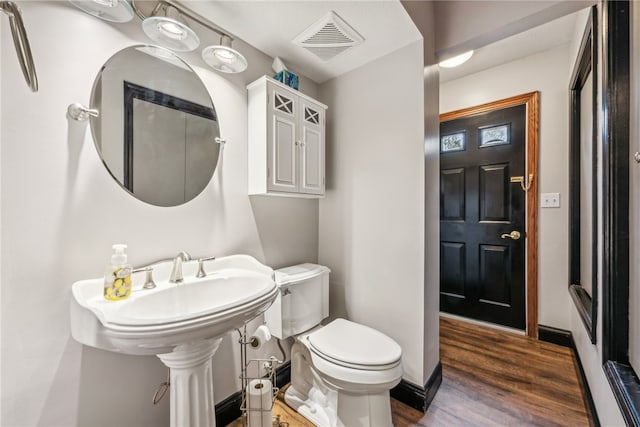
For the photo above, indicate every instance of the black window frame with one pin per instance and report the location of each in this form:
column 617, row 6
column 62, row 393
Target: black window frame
column 616, row 19
column 586, row 64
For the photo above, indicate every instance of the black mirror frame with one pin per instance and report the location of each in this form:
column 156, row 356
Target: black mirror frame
column 586, row 63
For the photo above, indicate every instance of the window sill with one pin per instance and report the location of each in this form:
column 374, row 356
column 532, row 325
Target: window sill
column 626, row 389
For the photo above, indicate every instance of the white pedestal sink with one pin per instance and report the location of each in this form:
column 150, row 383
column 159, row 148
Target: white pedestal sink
column 182, row 324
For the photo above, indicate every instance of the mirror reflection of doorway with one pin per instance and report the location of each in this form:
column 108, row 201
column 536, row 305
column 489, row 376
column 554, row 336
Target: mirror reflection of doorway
column 169, row 146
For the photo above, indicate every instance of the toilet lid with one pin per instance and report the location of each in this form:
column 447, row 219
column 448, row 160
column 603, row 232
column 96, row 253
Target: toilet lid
column 355, row 344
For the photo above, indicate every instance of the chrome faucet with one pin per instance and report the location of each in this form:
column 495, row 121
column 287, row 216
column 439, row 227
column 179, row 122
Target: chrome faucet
column 176, row 270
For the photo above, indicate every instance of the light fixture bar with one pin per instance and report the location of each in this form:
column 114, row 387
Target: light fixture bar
column 184, row 12
column 221, row 57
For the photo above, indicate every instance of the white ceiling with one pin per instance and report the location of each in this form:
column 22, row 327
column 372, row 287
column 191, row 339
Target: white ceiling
column 535, row 40
column 271, row 26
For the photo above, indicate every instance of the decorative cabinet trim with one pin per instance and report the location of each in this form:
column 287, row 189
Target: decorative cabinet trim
column 286, row 141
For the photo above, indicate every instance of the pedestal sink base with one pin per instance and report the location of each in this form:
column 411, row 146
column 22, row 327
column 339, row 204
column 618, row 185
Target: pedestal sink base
column 191, row 390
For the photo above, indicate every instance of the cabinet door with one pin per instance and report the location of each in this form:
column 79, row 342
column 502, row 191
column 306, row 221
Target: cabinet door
column 282, row 141
column 311, row 148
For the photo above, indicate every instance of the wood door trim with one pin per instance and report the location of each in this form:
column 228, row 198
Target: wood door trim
column 532, row 102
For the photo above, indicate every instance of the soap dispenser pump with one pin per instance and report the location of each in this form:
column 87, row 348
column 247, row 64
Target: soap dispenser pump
column 117, row 278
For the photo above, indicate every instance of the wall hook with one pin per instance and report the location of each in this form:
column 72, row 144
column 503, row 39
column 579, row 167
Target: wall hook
column 80, row 113
column 520, row 179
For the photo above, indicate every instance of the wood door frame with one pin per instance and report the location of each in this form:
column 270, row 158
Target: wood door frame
column 532, row 102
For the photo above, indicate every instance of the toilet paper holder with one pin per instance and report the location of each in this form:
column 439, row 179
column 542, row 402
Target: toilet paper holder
column 260, row 372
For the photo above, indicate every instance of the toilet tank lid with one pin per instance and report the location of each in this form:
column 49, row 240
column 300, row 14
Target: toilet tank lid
column 298, row 273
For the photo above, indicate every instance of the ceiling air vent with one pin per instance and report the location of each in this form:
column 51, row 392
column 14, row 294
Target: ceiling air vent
column 329, row 37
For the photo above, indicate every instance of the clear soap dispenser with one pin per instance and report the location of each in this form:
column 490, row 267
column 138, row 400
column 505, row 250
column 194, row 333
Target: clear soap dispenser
column 117, row 278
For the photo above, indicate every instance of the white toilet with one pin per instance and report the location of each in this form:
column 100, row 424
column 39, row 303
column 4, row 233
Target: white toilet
column 341, row 373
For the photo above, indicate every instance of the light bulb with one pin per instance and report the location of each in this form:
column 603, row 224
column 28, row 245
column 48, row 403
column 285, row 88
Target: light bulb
column 109, row 10
column 107, row 3
column 225, row 56
column 172, row 30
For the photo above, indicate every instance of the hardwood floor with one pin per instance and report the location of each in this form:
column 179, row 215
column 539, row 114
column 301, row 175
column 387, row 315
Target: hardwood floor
column 492, row 378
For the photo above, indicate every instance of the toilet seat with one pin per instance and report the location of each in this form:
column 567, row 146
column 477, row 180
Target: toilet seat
column 356, row 346
column 342, row 352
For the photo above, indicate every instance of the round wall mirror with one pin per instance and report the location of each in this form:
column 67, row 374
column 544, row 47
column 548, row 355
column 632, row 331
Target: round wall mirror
column 157, row 127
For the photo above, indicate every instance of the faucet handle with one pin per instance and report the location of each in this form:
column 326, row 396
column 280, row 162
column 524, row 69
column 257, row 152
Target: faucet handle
column 148, row 277
column 201, row 273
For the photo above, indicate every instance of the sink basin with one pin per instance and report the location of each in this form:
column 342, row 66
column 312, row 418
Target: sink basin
column 237, row 289
column 182, row 324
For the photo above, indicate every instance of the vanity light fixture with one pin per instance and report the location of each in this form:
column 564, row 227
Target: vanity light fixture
column 223, row 57
column 456, row 60
column 109, row 10
column 165, row 26
column 220, row 57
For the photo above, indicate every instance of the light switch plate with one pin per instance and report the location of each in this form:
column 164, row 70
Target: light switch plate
column 550, row 200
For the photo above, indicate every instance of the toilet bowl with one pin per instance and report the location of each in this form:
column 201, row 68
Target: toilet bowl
column 341, row 373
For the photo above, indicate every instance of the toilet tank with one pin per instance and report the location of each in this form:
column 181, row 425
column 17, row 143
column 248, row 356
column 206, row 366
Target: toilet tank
column 303, row 300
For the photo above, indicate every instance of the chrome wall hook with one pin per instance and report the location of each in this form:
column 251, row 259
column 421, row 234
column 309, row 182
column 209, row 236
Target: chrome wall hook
column 81, row 113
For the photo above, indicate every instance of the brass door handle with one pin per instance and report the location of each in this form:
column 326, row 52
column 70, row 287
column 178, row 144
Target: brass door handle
column 515, row 235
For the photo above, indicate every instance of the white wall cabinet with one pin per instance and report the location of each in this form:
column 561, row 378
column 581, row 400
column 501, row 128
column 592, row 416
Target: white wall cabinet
column 286, row 141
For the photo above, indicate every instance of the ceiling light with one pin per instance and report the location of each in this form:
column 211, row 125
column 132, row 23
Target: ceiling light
column 456, row 60
column 166, row 26
column 223, row 57
column 109, row 10
column 170, row 32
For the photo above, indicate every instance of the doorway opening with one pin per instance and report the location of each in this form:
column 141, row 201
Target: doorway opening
column 488, row 212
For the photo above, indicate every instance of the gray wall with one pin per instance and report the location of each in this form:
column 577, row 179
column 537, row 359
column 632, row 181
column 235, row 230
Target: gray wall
column 62, row 211
column 372, row 219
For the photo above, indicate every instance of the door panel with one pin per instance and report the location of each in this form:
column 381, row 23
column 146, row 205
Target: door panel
column 494, row 193
column 453, row 200
column 282, row 150
column 482, row 274
column 284, row 156
column 312, row 149
column 494, row 275
column 311, row 161
column 452, row 266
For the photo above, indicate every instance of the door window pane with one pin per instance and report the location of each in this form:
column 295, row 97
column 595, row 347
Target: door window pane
column 494, row 135
column 453, row 142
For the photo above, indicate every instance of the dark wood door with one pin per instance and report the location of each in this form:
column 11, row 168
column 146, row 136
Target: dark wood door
column 481, row 271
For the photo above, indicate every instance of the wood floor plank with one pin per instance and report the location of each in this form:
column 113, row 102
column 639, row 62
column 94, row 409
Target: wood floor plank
column 495, row 378
column 491, row 378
